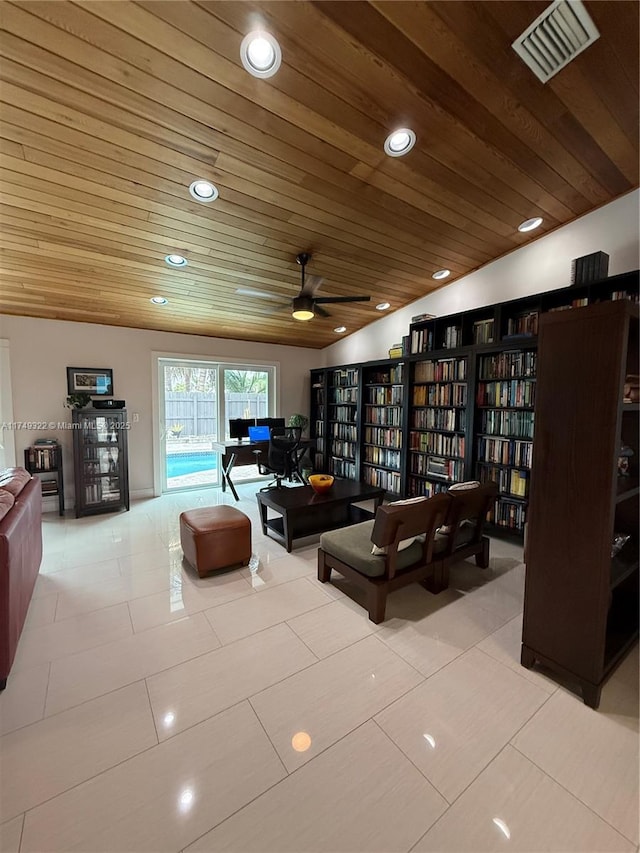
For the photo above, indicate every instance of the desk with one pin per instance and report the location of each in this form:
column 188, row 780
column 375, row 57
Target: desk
column 242, row 453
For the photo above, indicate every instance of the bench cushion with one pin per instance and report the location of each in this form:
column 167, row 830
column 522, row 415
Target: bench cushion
column 352, row 545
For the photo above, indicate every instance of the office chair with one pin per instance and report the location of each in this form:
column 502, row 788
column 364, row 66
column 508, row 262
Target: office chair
column 282, row 459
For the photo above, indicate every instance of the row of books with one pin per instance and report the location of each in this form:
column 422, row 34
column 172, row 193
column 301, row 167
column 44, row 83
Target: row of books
column 511, row 516
column 437, row 466
column 483, row 331
column 389, row 480
column 386, row 437
column 517, row 392
column 508, row 365
column 507, row 423
column 385, row 415
column 43, row 458
column 453, row 394
column 505, row 451
column 449, row 420
column 452, row 337
column 343, row 395
column 390, row 376
column 417, row 488
column 49, row 487
column 382, row 456
column 346, row 432
column 344, row 377
column 437, row 442
column 514, row 482
column 576, row 303
column 388, row 395
column 442, row 370
column 342, row 468
column 343, row 413
column 525, row 324
column 343, row 448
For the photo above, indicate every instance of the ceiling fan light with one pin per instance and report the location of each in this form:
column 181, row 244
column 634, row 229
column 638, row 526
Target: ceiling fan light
column 203, row 191
column 302, row 308
column 400, row 142
column 260, row 54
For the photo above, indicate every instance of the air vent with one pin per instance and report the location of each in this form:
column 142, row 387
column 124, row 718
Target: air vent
column 556, row 37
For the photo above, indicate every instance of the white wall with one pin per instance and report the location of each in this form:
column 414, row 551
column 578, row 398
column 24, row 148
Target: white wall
column 41, row 350
column 544, row 264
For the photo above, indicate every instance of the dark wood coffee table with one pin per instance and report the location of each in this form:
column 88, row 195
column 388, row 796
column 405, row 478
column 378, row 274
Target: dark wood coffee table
column 302, row 512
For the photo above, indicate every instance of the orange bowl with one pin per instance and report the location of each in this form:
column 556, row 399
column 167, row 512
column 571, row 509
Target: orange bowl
column 320, row 483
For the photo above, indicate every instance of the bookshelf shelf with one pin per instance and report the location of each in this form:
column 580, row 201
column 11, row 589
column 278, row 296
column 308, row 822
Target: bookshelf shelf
column 45, row 461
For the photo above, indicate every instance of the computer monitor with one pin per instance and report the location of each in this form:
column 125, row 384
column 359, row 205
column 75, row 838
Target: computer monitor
column 239, row 427
column 259, row 433
column 279, row 423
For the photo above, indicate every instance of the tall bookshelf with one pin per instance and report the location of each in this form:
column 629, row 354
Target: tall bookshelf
column 503, row 431
column 344, row 402
column 491, row 436
column 318, row 419
column 382, row 456
column 581, row 598
column 438, row 424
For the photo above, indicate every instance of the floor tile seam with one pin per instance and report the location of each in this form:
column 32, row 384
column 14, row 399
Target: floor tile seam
column 81, row 782
column 398, row 655
column 302, row 640
column 515, row 672
column 412, row 762
column 44, row 706
column 62, row 657
column 187, row 615
column 572, row 794
column 105, row 606
column 153, row 718
column 438, row 668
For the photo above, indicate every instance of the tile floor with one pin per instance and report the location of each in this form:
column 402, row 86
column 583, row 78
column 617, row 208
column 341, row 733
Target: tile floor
column 150, row 710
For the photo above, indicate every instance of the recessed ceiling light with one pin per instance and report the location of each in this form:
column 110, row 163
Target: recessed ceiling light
column 260, row 54
column 441, row 274
column 203, row 191
column 530, row 224
column 176, row 261
column 340, row 329
column 382, row 306
column 158, row 300
column 400, row 142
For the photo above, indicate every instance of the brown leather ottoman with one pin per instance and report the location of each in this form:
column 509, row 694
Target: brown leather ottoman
column 215, row 537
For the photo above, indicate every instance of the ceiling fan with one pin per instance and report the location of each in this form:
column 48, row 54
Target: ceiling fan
column 305, row 306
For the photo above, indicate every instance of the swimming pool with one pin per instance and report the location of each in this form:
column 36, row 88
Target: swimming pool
column 179, row 464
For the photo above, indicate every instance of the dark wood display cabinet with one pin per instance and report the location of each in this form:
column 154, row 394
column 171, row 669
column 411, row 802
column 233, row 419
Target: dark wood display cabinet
column 581, row 592
column 45, row 461
column 100, row 461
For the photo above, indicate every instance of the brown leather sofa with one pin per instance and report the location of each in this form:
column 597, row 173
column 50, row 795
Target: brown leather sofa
column 20, row 557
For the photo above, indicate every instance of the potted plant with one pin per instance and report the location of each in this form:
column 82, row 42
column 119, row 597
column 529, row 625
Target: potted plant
column 301, row 421
column 176, row 429
column 78, row 401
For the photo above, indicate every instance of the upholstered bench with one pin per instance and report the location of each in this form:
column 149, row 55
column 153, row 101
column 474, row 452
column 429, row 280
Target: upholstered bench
column 215, row 537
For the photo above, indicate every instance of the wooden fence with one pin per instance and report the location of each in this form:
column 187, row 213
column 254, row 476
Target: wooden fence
column 197, row 413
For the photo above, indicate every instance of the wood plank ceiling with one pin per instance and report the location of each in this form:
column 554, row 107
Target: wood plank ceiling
column 111, row 109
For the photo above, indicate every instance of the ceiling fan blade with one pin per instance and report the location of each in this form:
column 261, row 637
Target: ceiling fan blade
column 320, row 311
column 342, row 299
column 312, row 284
column 262, row 294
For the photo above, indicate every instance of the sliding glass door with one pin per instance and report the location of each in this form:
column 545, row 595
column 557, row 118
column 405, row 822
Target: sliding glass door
column 196, row 400
column 189, row 415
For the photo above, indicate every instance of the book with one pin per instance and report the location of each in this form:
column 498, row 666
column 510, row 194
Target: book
column 46, row 441
column 418, row 318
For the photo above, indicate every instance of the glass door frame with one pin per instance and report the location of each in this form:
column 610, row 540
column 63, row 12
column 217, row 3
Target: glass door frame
column 158, row 360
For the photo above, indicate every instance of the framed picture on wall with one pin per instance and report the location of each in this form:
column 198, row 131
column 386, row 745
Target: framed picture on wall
column 97, row 381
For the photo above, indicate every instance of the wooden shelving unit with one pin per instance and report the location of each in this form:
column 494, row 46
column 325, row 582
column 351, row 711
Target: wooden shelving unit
column 581, row 603
column 344, row 411
column 438, row 424
column 45, row 461
column 489, row 437
column 382, row 456
column 503, row 431
column 318, row 419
